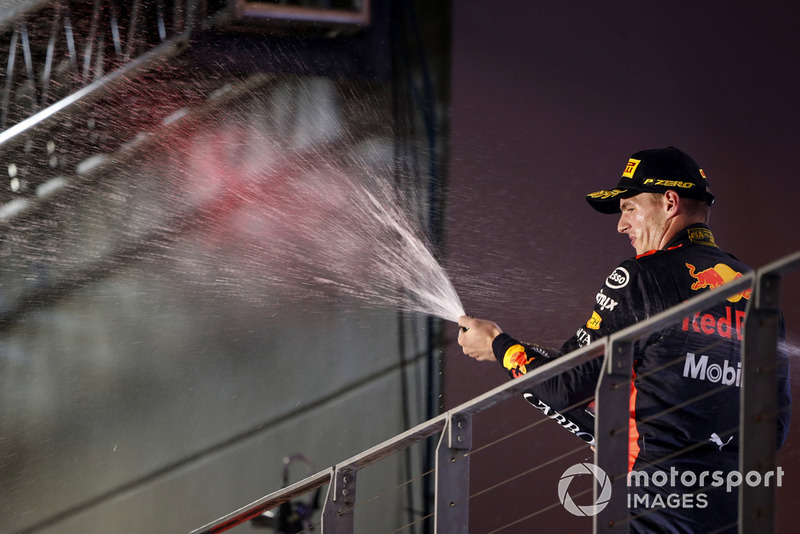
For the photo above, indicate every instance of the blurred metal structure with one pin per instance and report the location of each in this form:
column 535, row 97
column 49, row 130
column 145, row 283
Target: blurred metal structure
column 73, row 69
column 56, row 49
column 758, row 418
column 341, row 14
column 68, row 75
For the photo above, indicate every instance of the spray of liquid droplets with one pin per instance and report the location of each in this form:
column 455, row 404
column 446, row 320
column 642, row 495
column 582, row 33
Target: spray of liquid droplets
column 324, row 228
column 401, row 267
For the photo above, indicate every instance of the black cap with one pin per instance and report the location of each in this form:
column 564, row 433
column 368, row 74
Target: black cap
column 657, row 170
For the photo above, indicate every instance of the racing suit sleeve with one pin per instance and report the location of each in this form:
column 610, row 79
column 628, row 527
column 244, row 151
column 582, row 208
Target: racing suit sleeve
column 620, row 302
column 518, row 358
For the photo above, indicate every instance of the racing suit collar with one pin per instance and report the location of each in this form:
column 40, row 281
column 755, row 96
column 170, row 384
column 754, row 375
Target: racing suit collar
column 694, row 234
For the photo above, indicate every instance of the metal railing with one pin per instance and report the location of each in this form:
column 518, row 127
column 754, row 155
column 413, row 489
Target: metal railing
column 758, row 422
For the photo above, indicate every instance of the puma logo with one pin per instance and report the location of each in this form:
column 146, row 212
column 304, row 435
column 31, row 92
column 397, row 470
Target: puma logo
column 716, row 440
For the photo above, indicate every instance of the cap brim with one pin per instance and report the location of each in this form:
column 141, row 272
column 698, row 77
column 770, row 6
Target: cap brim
column 607, row 201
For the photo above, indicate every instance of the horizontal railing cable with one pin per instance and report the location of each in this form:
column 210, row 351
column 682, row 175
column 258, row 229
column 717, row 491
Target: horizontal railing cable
column 528, row 471
column 537, row 422
column 389, row 491
column 413, row 523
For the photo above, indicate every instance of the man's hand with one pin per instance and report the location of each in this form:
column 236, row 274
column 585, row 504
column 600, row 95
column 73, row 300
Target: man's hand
column 475, row 337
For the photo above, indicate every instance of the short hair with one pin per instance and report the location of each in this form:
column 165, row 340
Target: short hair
column 697, row 208
column 692, row 207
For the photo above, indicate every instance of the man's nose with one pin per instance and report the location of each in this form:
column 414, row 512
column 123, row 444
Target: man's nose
column 622, row 225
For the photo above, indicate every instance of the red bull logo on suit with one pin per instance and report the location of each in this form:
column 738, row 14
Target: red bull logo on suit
column 715, row 276
column 516, row 360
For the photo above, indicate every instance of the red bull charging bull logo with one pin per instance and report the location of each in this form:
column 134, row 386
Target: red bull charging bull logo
column 516, row 360
column 714, row 277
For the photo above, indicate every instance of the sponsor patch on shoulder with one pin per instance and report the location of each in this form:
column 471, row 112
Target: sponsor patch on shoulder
column 583, row 337
column 618, row 279
column 605, row 302
column 594, row 321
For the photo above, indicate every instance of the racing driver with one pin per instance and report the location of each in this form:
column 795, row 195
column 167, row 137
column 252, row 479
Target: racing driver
column 685, row 391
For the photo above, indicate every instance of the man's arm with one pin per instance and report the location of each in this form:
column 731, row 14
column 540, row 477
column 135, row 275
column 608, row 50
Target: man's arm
column 618, row 303
column 484, row 341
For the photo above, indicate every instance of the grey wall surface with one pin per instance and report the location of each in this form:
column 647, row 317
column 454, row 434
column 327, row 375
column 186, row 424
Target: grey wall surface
column 548, row 102
column 189, row 346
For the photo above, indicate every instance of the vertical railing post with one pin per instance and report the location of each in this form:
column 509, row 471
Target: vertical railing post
column 452, row 476
column 612, row 405
column 758, row 409
column 338, row 516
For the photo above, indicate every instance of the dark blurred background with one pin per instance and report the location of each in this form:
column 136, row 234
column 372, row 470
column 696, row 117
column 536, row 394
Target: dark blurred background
column 548, row 102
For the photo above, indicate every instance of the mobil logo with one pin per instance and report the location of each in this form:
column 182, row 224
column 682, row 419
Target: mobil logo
column 714, row 277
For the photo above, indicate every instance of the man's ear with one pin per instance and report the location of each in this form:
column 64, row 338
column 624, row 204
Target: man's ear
column 672, row 203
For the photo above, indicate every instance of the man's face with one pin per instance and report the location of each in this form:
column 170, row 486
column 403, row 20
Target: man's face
column 643, row 219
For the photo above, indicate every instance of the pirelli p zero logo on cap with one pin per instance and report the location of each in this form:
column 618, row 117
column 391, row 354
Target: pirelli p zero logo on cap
column 702, row 174
column 630, row 168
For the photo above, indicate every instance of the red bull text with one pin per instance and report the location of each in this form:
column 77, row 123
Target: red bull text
column 728, row 326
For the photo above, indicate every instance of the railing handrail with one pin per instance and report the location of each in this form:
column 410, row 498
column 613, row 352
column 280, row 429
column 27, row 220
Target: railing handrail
column 503, row 392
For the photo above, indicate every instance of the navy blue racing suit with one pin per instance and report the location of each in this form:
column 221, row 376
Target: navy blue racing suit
column 685, row 391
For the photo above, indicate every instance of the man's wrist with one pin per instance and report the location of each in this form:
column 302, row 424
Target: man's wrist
column 500, row 344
